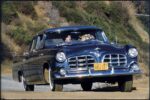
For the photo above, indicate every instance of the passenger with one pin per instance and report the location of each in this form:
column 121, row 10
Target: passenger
column 86, row 37
column 68, row 38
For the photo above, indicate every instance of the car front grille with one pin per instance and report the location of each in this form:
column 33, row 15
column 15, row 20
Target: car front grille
column 83, row 61
column 115, row 60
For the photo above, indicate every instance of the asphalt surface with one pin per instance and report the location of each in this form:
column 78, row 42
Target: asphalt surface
column 11, row 89
column 8, row 84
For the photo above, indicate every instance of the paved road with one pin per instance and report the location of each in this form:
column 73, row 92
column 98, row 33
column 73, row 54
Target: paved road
column 8, row 84
column 12, row 89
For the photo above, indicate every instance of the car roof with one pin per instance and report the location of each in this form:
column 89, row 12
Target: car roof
column 67, row 28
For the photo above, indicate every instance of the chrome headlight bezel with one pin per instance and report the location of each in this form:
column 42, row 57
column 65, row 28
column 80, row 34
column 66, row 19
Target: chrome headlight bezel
column 60, row 56
column 132, row 52
column 135, row 67
column 62, row 71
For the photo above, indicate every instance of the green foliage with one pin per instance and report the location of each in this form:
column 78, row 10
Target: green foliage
column 133, row 34
column 8, row 13
column 118, row 13
column 24, row 26
column 20, row 36
column 145, row 21
column 25, row 7
column 10, row 8
column 142, row 7
column 37, row 28
column 97, row 13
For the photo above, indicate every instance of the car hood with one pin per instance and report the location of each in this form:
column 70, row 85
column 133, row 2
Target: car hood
column 85, row 48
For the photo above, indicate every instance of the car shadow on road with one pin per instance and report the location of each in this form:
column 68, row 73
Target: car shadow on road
column 109, row 89
column 104, row 89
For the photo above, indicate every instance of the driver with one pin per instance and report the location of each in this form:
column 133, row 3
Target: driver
column 68, row 38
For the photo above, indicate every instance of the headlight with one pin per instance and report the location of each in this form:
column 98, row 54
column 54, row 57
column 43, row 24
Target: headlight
column 135, row 67
column 132, row 52
column 60, row 56
column 62, row 71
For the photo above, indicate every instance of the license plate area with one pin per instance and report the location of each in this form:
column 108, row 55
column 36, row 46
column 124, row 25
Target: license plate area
column 100, row 66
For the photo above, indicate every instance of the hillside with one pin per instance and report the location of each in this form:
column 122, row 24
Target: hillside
column 23, row 19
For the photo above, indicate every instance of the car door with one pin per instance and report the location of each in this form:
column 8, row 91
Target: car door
column 32, row 69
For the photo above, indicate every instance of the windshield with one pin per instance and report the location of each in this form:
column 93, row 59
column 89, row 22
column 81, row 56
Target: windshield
column 75, row 36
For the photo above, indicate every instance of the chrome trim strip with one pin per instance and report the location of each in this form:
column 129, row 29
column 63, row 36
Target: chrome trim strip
column 100, row 74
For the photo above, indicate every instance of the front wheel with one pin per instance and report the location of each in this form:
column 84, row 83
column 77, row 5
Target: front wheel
column 26, row 86
column 54, row 86
column 126, row 83
column 86, row 86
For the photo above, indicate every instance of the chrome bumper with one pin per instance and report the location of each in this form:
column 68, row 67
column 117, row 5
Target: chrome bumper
column 92, row 73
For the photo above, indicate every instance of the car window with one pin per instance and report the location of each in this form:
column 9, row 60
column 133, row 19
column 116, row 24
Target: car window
column 42, row 41
column 30, row 46
column 39, row 39
column 53, row 39
column 33, row 44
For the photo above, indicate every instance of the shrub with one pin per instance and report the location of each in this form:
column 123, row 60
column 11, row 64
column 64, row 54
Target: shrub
column 8, row 13
column 118, row 13
column 10, row 8
column 20, row 35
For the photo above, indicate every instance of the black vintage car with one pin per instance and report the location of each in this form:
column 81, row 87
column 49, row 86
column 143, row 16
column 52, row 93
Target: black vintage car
column 77, row 55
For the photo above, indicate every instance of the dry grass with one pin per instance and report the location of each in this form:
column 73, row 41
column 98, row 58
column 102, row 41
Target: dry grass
column 6, row 67
column 9, row 42
column 41, row 12
column 25, row 21
column 133, row 21
column 136, row 24
column 144, row 68
column 107, row 2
